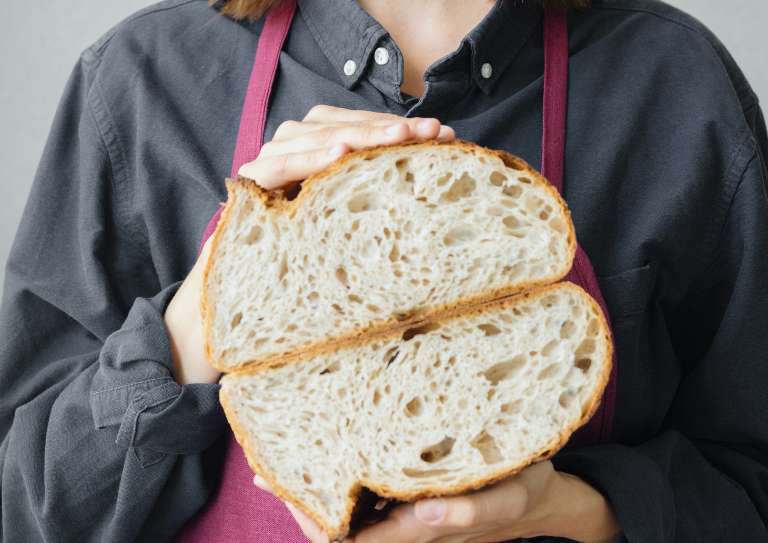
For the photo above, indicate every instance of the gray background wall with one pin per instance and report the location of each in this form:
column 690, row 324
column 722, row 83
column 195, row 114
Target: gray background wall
column 38, row 47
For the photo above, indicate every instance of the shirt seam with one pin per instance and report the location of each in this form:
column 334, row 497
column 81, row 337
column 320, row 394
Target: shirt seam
column 733, row 182
column 98, row 46
column 130, row 385
column 113, row 146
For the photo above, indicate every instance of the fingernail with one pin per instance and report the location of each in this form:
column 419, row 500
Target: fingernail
column 337, row 150
column 393, row 130
column 430, row 510
column 426, row 124
column 445, row 132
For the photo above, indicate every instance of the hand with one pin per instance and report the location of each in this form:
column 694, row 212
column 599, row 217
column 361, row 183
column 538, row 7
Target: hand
column 537, row 502
column 184, row 326
column 299, row 149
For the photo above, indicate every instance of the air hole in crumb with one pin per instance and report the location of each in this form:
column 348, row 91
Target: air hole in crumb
column 313, row 296
column 498, row 178
column 410, row 333
column 283, row 267
column 511, row 221
column 512, row 408
column 486, row 444
column 414, row 408
column 254, row 234
column 438, row 451
column 566, row 398
column 341, row 275
column 373, row 308
column 235, row 321
column 459, row 235
column 376, row 397
column 355, row 299
column 586, row 347
column 418, row 473
column 567, row 329
column 365, row 201
column 390, row 355
column 594, row 328
column 461, row 188
column 443, row 179
column 514, row 191
column 307, row 478
column 549, row 347
column 489, row 329
column 524, row 180
column 491, row 393
column 504, row 370
column 409, row 177
column 330, row 369
column 548, row 372
column 584, row 364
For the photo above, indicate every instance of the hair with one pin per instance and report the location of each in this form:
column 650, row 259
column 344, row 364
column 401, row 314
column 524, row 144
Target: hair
column 254, row 9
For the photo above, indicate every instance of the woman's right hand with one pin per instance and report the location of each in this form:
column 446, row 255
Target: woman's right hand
column 297, row 150
column 301, row 148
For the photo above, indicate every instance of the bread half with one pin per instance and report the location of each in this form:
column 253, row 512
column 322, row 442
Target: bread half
column 383, row 237
column 433, row 408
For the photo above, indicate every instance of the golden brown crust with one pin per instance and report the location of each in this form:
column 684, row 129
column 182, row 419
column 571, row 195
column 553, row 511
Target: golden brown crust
column 277, row 201
column 338, row 532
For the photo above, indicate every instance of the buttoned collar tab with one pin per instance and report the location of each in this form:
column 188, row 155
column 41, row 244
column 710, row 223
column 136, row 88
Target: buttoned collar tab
column 347, row 35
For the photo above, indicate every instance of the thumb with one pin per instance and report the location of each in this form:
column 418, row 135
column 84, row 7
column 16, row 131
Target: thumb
column 488, row 506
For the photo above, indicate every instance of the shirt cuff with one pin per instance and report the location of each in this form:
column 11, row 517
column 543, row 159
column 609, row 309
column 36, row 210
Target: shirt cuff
column 633, row 484
column 134, row 389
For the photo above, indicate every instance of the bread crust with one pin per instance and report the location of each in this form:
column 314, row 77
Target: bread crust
column 277, row 201
column 337, row 533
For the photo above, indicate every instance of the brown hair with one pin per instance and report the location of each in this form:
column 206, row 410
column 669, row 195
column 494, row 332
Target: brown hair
column 253, row 9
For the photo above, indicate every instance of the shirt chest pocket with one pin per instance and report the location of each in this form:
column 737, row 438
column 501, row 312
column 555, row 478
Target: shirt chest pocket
column 628, row 293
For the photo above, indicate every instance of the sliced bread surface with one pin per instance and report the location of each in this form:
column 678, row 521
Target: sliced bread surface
column 384, row 236
column 437, row 408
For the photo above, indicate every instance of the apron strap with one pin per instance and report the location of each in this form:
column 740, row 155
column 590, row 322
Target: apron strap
column 555, row 113
column 555, row 97
column 250, row 135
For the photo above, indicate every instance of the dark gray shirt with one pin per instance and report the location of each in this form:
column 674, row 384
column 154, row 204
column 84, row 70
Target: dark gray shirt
column 665, row 177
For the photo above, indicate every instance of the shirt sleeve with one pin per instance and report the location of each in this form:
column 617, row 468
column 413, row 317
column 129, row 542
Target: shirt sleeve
column 96, row 437
column 703, row 477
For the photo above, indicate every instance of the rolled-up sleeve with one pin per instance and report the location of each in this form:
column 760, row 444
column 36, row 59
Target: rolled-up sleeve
column 97, row 438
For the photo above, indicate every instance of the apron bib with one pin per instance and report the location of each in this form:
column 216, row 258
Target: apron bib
column 240, row 511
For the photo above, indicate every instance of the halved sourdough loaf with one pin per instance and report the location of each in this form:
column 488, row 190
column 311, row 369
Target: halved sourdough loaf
column 384, row 236
column 398, row 327
column 434, row 408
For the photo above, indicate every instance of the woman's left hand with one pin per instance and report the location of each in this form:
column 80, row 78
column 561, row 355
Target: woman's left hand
column 539, row 501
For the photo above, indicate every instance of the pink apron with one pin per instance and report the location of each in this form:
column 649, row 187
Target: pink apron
column 240, row 511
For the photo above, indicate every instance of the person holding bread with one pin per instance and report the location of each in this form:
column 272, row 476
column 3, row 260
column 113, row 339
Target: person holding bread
column 110, row 422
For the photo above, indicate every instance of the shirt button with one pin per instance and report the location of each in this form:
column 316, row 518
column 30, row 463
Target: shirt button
column 349, row 67
column 381, row 56
column 486, row 70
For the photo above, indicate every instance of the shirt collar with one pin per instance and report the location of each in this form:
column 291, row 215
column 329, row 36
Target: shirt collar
column 348, row 36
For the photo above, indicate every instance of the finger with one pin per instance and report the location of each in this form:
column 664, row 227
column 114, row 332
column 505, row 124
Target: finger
column 355, row 135
column 503, row 502
column 326, row 113
column 401, row 525
column 280, row 171
column 293, row 129
column 290, row 130
column 261, row 483
column 310, row 528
